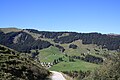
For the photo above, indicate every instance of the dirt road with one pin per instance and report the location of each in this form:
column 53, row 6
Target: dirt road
column 56, row 76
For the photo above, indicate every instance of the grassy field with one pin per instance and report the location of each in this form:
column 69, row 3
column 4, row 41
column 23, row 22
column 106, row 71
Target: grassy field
column 49, row 54
column 52, row 53
column 74, row 66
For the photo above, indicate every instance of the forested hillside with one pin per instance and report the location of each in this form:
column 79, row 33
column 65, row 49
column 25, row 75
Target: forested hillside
column 17, row 66
column 112, row 42
column 24, row 41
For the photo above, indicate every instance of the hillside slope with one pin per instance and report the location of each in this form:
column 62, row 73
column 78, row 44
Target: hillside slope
column 25, row 38
column 16, row 66
column 22, row 41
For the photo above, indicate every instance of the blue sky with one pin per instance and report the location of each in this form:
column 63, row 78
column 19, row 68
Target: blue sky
column 62, row 15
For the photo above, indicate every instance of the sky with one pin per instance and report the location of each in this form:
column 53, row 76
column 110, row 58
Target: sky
column 62, row 15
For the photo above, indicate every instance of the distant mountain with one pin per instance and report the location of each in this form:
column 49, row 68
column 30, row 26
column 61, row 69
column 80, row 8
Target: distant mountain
column 12, row 29
column 24, row 40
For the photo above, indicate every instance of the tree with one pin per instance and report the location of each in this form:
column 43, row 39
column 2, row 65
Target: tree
column 110, row 70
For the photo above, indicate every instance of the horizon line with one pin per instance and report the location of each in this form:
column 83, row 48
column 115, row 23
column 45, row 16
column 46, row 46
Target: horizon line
column 112, row 33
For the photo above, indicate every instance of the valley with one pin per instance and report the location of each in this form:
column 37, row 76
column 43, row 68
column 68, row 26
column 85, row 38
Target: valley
column 74, row 54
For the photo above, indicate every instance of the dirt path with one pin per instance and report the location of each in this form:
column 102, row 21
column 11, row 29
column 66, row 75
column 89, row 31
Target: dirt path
column 56, row 76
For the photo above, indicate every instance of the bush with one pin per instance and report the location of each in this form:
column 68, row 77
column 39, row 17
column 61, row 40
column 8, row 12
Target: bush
column 110, row 70
column 73, row 46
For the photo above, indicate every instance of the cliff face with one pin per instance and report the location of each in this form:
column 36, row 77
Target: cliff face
column 16, row 66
